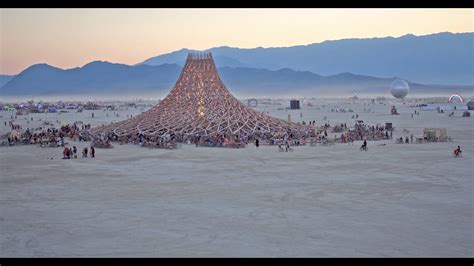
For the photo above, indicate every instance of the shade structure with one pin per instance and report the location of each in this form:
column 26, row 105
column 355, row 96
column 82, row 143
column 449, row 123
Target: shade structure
column 200, row 104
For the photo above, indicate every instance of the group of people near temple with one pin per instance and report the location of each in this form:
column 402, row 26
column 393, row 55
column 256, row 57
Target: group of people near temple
column 71, row 152
column 101, row 141
column 407, row 140
column 55, row 137
column 164, row 140
column 309, row 132
column 50, row 136
column 360, row 132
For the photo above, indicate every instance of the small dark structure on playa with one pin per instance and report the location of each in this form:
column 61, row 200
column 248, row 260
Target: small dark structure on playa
column 470, row 105
column 294, row 104
column 394, row 111
column 252, row 102
column 435, row 135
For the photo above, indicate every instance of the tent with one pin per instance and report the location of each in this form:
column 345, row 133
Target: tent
column 435, row 134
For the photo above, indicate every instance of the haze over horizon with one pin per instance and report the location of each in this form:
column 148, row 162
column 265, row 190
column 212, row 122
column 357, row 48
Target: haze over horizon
column 69, row 38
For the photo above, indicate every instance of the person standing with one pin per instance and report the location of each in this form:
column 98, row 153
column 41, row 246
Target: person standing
column 74, row 151
column 65, row 152
column 256, row 143
column 92, row 152
column 84, row 152
column 364, row 145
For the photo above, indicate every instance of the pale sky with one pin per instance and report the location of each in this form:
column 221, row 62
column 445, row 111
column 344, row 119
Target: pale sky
column 69, row 38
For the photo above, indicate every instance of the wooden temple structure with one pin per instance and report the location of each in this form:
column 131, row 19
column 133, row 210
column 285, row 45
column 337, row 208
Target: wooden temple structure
column 199, row 104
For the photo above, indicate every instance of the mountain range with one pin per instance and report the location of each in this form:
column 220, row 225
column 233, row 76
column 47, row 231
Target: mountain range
column 102, row 78
column 441, row 58
column 97, row 77
column 343, row 67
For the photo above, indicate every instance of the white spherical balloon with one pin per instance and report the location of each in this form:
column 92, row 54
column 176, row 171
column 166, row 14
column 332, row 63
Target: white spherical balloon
column 399, row 88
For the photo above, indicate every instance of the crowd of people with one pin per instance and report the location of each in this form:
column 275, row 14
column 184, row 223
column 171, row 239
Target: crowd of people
column 78, row 131
column 51, row 137
column 101, row 141
column 313, row 134
column 56, row 137
column 171, row 139
column 360, row 132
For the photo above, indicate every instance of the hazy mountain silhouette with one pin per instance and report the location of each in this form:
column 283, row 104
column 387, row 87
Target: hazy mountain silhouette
column 179, row 58
column 442, row 58
column 107, row 78
column 95, row 77
column 5, row 78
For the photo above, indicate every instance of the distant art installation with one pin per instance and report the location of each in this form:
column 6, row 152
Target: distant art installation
column 200, row 105
column 454, row 97
column 399, row 88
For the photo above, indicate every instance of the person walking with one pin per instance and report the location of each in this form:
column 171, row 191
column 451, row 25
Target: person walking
column 84, row 152
column 457, row 152
column 256, row 143
column 92, row 152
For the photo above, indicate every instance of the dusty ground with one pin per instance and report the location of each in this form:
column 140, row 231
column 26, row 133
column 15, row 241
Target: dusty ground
column 391, row 201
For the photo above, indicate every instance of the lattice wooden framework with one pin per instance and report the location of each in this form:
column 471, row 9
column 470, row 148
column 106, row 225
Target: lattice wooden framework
column 200, row 104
